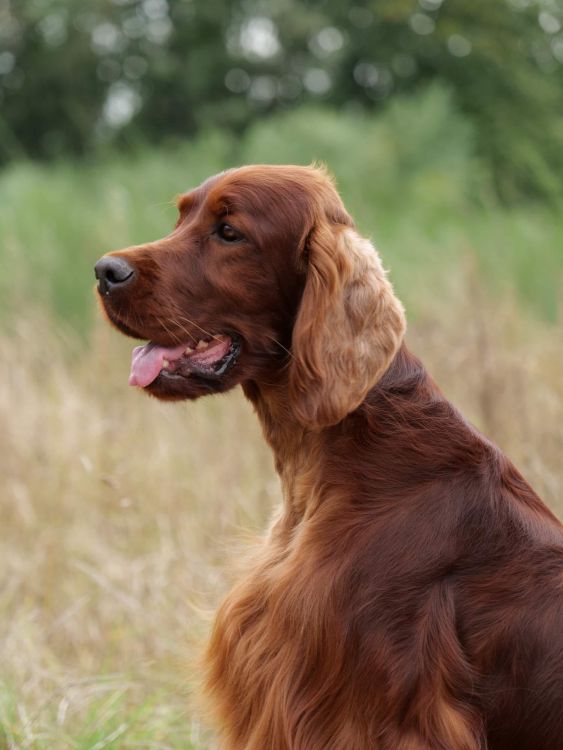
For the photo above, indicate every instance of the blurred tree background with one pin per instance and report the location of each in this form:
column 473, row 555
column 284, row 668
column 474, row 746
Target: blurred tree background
column 79, row 74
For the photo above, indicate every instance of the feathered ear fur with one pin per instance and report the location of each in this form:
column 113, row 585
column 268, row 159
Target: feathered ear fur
column 349, row 326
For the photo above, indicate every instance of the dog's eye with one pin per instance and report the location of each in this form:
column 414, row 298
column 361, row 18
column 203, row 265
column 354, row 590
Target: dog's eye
column 227, row 233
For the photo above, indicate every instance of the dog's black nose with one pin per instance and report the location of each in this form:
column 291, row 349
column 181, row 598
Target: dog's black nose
column 113, row 272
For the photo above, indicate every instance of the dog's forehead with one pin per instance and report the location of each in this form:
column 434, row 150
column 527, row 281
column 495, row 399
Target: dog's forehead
column 194, row 197
column 256, row 190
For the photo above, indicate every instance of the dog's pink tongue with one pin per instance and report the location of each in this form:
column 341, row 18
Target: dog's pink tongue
column 147, row 362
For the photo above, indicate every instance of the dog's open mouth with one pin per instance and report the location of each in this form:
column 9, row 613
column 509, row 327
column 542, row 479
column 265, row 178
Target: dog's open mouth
column 210, row 357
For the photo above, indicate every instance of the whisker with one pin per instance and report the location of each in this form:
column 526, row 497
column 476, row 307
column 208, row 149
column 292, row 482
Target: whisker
column 280, row 345
column 176, row 322
column 193, row 323
column 139, row 321
column 163, row 324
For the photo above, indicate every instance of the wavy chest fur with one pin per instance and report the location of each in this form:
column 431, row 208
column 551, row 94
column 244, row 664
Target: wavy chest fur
column 277, row 652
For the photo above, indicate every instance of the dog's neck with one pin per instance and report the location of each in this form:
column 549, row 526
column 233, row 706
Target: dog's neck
column 295, row 448
column 299, row 453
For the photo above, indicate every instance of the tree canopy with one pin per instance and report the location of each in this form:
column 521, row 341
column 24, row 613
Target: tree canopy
column 77, row 73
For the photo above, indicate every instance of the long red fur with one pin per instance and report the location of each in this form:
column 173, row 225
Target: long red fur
column 408, row 593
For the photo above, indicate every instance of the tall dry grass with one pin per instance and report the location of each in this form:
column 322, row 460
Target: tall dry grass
column 116, row 513
column 120, row 514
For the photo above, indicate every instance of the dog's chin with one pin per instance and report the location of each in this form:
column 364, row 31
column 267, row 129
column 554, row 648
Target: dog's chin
column 168, row 388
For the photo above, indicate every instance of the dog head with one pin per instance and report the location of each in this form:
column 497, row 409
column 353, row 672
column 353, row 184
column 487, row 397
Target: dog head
column 264, row 279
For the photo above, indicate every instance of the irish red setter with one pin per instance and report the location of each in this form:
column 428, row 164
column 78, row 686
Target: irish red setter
column 408, row 593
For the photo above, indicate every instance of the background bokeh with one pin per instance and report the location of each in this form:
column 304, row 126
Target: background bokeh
column 442, row 121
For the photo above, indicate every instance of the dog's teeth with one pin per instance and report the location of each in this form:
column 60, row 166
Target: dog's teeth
column 165, row 363
column 201, row 344
column 188, row 350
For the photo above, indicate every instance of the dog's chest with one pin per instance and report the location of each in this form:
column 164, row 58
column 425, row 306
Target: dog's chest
column 277, row 652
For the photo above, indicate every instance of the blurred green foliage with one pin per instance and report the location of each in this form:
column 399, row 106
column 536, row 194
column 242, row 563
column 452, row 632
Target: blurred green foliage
column 409, row 175
column 77, row 74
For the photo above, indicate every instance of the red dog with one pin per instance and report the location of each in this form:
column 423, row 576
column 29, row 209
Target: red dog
column 408, row 594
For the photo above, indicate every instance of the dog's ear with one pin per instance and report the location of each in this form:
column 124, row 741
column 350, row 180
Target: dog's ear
column 349, row 326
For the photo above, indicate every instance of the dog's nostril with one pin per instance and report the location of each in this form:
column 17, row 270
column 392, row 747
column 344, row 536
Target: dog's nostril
column 113, row 272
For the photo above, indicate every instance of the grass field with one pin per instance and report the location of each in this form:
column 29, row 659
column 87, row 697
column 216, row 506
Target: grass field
column 121, row 516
